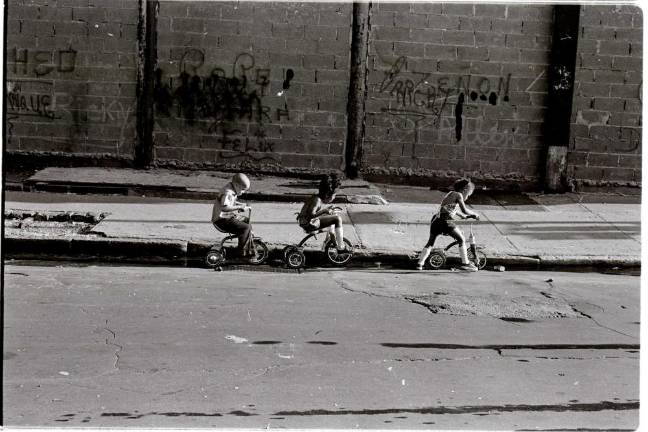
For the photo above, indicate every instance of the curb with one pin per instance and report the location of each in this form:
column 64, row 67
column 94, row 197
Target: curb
column 102, row 249
column 517, row 262
column 594, row 261
column 188, row 253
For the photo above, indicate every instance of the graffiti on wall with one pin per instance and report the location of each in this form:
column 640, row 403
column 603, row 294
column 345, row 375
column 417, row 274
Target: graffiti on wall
column 22, row 100
column 223, row 97
column 41, row 62
column 31, row 93
column 421, row 99
column 238, row 146
column 215, row 96
column 629, row 140
column 34, row 97
column 621, row 137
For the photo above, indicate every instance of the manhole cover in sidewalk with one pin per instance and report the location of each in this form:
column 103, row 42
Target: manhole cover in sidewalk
column 518, row 309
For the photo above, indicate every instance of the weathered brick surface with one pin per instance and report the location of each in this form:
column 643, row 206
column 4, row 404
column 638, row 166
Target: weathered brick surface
column 272, row 97
column 494, row 58
column 66, row 62
column 605, row 143
column 453, row 88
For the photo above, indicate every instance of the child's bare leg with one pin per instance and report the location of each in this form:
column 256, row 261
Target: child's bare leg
column 245, row 245
column 336, row 222
column 425, row 253
column 339, row 237
column 458, row 235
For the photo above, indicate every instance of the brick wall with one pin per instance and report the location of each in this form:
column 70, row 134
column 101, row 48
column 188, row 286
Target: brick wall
column 253, row 83
column 71, row 76
column 453, row 88
column 605, row 143
column 457, row 88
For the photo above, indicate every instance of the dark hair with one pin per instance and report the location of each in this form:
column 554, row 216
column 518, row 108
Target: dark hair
column 461, row 184
column 328, row 185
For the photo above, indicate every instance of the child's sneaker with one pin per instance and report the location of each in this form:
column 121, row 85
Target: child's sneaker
column 419, row 267
column 469, row 267
column 253, row 258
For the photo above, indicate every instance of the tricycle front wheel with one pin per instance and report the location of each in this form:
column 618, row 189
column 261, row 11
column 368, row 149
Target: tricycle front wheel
column 261, row 250
column 295, row 258
column 335, row 257
column 215, row 258
column 479, row 260
column 437, row 259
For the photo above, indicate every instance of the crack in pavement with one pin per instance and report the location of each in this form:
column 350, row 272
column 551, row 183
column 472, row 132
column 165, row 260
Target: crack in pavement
column 598, row 323
column 346, row 286
column 547, row 347
column 574, row 358
column 81, row 386
column 514, row 311
column 135, row 415
column 267, row 370
column 135, row 391
column 595, row 306
column 467, row 409
column 119, row 347
column 355, row 231
column 173, row 392
column 517, row 249
column 429, row 307
column 575, row 309
column 578, row 430
column 440, row 410
column 499, row 350
column 438, row 359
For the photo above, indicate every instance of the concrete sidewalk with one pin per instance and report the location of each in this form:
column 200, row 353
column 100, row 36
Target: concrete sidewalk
column 554, row 231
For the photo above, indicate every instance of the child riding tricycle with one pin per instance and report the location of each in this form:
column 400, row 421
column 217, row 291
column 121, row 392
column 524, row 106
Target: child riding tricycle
column 225, row 219
column 314, row 218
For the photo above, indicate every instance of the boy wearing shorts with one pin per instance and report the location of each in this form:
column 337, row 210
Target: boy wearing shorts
column 442, row 222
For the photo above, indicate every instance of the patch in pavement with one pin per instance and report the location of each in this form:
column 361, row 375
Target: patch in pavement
column 517, row 309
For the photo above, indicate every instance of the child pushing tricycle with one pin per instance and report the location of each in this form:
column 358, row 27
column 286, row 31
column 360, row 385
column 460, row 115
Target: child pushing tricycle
column 453, row 204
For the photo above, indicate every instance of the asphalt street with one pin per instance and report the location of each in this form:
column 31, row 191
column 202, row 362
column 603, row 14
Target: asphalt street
column 124, row 347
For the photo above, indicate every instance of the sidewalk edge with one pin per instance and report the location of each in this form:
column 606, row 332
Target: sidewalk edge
column 130, row 250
